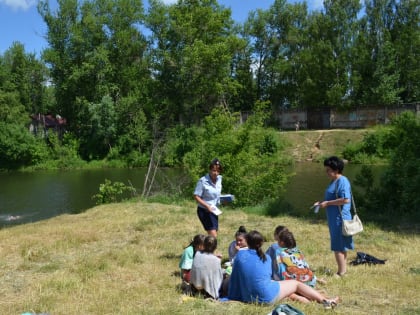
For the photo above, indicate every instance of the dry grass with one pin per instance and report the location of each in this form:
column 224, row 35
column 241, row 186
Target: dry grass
column 123, row 259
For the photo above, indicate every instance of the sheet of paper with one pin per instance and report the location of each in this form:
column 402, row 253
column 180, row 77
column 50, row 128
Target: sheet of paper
column 216, row 210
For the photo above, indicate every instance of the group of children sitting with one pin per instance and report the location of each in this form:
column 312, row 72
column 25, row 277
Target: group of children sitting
column 202, row 272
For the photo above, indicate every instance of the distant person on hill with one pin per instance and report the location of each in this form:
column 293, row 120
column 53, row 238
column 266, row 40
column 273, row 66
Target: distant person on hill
column 206, row 271
column 272, row 252
column 251, row 279
column 185, row 264
column 337, row 194
column 238, row 244
column 207, row 194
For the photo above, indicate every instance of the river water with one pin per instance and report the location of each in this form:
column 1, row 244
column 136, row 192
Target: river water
column 30, row 197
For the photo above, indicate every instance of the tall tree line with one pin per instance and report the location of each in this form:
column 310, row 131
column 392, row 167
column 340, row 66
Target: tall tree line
column 122, row 75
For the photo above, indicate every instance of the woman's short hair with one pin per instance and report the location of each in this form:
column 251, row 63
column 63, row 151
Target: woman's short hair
column 334, row 163
column 215, row 162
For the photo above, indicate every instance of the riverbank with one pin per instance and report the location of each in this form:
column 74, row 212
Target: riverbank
column 314, row 145
column 123, row 259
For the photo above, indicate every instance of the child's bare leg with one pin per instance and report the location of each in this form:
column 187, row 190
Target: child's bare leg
column 298, row 298
column 288, row 287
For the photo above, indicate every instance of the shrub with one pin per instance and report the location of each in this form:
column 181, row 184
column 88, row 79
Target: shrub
column 18, row 148
column 376, row 146
column 252, row 162
column 112, row 192
column 400, row 184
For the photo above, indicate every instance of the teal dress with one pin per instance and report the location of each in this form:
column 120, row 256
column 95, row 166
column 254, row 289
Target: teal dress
column 339, row 242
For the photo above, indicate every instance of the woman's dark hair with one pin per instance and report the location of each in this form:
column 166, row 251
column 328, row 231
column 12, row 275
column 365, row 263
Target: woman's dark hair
column 288, row 239
column 240, row 231
column 334, row 163
column 210, row 244
column 255, row 240
column 278, row 230
column 196, row 241
column 216, row 162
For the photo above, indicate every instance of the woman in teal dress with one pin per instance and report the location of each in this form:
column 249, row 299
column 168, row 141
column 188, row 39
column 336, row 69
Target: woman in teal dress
column 337, row 194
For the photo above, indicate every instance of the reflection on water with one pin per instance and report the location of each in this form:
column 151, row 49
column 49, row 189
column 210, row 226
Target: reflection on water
column 30, row 197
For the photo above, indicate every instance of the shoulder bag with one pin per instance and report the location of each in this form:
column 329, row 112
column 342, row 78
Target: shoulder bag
column 353, row 226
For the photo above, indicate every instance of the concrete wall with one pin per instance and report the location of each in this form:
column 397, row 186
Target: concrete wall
column 324, row 118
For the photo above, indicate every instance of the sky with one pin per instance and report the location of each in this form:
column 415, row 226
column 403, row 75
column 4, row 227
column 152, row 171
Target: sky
column 20, row 21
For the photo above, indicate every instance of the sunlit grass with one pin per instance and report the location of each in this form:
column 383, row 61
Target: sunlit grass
column 123, row 259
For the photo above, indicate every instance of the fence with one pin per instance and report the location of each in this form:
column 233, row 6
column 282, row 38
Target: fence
column 326, row 118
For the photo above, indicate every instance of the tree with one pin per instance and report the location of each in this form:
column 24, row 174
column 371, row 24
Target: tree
column 194, row 47
column 407, row 45
column 102, row 127
column 278, row 38
column 96, row 50
column 27, row 76
column 380, row 82
column 327, row 62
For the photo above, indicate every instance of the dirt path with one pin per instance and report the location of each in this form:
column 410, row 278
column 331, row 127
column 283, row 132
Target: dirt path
column 314, row 145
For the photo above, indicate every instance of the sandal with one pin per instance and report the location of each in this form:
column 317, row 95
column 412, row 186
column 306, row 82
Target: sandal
column 329, row 304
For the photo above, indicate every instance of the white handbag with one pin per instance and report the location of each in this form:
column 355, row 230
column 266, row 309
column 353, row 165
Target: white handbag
column 353, row 226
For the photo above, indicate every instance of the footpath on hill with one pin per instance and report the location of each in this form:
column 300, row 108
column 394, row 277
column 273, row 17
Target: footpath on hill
column 314, row 145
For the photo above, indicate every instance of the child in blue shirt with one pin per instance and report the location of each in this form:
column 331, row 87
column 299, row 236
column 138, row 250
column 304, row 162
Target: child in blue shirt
column 272, row 252
column 188, row 254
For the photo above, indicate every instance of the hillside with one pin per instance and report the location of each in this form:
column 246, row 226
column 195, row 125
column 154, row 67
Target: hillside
column 307, row 145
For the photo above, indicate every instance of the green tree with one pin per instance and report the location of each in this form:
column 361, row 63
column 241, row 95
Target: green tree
column 242, row 95
column 191, row 62
column 101, row 127
column 380, row 80
column 96, row 49
column 327, row 62
column 407, row 45
column 278, row 38
column 26, row 76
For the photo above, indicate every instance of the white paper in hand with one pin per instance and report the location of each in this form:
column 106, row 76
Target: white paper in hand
column 216, row 210
column 315, row 207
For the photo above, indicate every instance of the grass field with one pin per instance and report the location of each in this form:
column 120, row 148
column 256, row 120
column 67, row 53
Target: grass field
column 123, row 259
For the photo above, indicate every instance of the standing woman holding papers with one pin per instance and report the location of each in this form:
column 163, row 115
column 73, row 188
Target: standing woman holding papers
column 207, row 194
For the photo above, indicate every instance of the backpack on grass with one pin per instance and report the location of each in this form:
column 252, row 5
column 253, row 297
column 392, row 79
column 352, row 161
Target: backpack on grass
column 285, row 309
column 363, row 258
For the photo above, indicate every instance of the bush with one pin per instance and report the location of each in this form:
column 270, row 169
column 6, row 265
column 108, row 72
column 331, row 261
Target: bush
column 400, row 184
column 18, row 148
column 252, row 162
column 376, row 147
column 112, row 192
